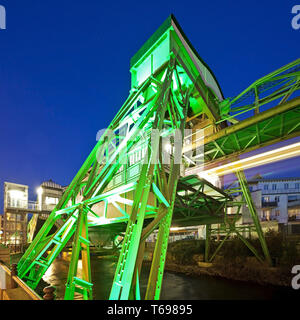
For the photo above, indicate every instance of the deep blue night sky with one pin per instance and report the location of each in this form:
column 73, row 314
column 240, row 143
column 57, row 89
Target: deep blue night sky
column 64, row 69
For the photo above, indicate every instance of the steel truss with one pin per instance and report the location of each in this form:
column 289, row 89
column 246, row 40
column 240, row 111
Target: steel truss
column 229, row 225
column 126, row 174
column 277, row 123
column 158, row 112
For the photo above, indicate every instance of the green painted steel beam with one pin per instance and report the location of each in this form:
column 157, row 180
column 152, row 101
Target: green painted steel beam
column 252, row 209
column 124, row 172
column 253, row 133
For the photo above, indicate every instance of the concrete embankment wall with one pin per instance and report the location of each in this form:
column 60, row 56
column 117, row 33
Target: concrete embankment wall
column 182, row 259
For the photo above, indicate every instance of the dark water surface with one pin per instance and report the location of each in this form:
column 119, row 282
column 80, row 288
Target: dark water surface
column 175, row 286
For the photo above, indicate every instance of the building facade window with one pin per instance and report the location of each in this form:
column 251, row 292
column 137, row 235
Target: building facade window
column 266, row 199
column 277, row 198
column 286, row 186
column 293, row 198
column 267, row 215
column 294, row 214
column 266, row 187
column 274, row 186
column 277, row 213
column 51, row 200
column 297, row 185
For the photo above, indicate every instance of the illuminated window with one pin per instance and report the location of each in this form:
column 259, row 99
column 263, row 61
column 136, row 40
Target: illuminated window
column 138, row 156
column 268, row 214
column 51, row 200
column 131, row 159
column 17, row 194
column 294, row 213
column 277, row 213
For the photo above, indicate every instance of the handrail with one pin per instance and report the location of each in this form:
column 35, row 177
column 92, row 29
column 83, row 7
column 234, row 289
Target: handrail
column 31, row 293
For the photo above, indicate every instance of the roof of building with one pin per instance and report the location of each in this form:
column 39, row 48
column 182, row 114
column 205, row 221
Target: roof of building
column 158, row 33
column 256, row 180
column 51, row 184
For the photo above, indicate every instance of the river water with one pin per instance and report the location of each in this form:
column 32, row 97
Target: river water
column 175, row 286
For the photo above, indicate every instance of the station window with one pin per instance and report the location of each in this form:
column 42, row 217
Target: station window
column 137, row 156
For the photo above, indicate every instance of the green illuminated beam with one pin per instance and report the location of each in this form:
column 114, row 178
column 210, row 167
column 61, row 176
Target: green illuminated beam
column 246, row 193
column 80, row 244
column 172, row 89
column 280, row 83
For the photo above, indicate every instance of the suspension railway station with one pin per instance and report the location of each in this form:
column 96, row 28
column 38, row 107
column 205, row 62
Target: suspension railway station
column 161, row 163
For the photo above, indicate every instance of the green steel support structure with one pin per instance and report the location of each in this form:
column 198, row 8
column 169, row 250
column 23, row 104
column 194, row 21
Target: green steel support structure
column 251, row 206
column 80, row 244
column 229, row 228
column 133, row 180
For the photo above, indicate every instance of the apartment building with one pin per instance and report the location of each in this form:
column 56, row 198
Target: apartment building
column 18, row 208
column 277, row 199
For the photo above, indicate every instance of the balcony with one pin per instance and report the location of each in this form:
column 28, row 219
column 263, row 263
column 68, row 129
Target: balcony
column 269, row 204
column 294, row 204
column 281, row 190
column 29, row 206
column 47, row 207
column 22, row 204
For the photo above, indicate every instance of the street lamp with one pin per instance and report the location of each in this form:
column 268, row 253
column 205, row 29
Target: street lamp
column 39, row 190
